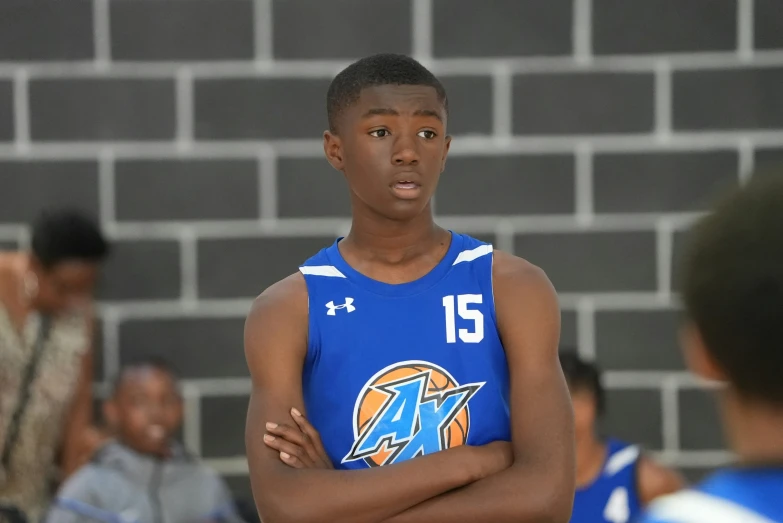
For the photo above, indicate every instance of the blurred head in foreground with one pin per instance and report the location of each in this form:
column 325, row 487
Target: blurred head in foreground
column 732, row 287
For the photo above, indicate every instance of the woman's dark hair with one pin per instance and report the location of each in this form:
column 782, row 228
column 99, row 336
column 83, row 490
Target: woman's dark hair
column 67, row 235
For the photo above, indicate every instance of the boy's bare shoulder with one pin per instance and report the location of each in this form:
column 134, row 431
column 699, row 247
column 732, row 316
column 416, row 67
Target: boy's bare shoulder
column 277, row 323
column 286, row 296
column 508, row 266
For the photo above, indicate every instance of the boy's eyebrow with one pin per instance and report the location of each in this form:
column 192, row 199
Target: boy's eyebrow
column 392, row 112
column 428, row 112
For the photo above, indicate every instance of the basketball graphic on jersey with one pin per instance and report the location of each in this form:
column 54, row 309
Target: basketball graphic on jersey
column 409, row 409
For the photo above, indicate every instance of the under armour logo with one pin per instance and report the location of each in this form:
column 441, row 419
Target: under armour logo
column 347, row 306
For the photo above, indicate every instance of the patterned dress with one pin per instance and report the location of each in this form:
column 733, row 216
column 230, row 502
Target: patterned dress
column 26, row 481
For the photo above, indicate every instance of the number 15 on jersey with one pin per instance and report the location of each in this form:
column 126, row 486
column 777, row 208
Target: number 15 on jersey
column 466, row 335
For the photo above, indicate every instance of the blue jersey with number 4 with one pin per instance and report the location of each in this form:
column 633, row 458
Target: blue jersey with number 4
column 612, row 497
column 397, row 371
column 736, row 495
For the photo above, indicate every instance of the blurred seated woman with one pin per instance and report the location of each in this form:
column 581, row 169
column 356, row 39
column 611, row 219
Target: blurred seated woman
column 46, row 360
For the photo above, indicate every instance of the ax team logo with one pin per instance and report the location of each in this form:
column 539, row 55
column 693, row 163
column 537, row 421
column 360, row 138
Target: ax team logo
column 409, row 409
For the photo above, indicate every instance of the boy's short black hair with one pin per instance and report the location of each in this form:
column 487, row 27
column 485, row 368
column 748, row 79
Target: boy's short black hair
column 582, row 375
column 379, row 69
column 62, row 235
column 732, row 286
column 144, row 362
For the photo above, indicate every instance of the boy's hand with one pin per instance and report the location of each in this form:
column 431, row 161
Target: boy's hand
column 300, row 445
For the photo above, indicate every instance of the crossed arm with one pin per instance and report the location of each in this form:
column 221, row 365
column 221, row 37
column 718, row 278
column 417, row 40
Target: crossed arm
column 537, row 487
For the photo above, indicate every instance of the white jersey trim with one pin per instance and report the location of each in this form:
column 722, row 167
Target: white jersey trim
column 621, row 459
column 691, row 506
column 472, row 254
column 322, row 270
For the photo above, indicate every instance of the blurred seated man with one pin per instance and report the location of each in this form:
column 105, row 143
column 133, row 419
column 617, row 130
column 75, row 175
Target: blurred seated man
column 613, row 480
column 144, row 475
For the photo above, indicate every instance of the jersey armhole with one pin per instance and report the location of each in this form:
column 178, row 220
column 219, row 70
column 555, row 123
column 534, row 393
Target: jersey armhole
column 636, row 479
column 313, row 332
column 492, row 284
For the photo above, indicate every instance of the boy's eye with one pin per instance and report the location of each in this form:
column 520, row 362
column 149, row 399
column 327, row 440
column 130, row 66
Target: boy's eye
column 379, row 133
column 429, row 135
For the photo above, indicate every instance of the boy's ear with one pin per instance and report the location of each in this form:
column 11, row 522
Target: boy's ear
column 697, row 357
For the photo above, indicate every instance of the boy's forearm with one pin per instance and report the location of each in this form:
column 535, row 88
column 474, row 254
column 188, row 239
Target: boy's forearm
column 512, row 496
column 362, row 496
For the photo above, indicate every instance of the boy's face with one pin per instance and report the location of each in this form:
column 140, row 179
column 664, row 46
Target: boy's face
column 146, row 410
column 585, row 411
column 391, row 146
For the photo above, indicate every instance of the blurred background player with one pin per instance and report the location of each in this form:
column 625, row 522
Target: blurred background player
column 732, row 285
column 145, row 475
column 614, row 480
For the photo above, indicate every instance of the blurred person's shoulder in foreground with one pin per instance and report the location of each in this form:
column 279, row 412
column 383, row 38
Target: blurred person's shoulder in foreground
column 46, row 356
column 144, row 474
column 732, row 287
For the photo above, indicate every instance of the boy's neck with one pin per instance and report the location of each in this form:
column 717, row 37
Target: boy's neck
column 385, row 238
column 590, row 457
column 754, row 429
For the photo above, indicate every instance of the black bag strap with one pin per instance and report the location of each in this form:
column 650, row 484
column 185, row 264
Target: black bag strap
column 12, row 432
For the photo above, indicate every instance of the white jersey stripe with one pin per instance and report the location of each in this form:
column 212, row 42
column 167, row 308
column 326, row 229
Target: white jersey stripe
column 472, row 254
column 621, row 459
column 322, row 270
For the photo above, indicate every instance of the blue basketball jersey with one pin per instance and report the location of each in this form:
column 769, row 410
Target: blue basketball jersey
column 734, row 495
column 613, row 496
column 397, row 371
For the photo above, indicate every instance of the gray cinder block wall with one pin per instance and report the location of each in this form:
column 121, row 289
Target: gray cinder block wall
column 588, row 135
